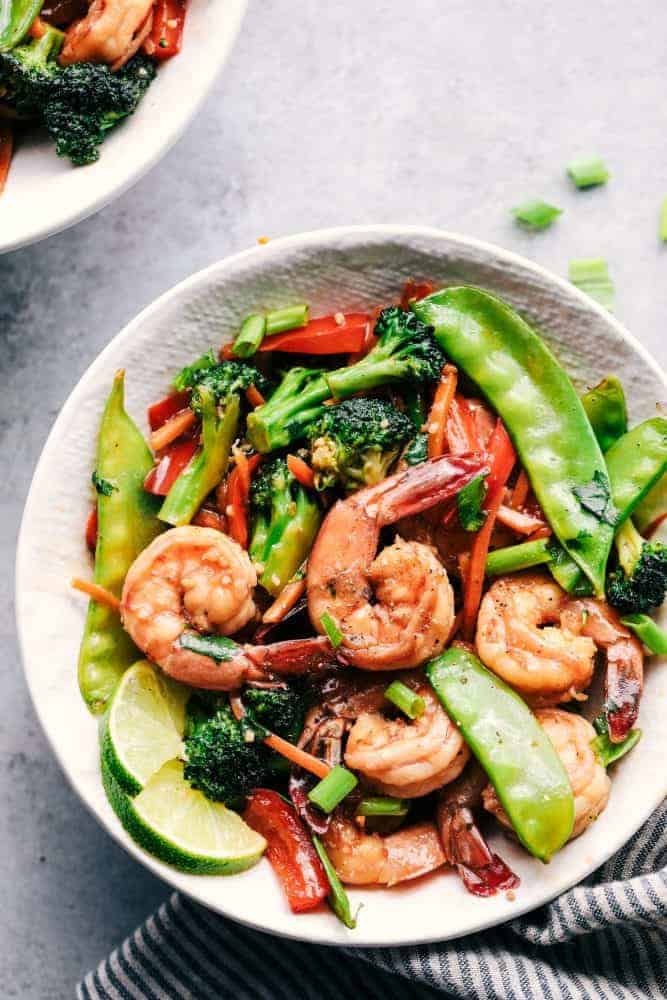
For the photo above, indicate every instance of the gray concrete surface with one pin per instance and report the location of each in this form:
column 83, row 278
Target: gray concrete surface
column 356, row 111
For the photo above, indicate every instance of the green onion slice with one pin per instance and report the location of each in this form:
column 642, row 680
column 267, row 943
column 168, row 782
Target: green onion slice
column 591, row 275
column 382, row 805
column 536, row 214
column 331, row 790
column 338, row 898
column 280, row 320
column 587, row 171
column 403, row 697
column 249, row 337
column 331, row 628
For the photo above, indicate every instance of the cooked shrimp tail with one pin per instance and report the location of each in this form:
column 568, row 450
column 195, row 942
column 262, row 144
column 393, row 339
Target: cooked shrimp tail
column 292, row 656
column 483, row 873
column 397, row 609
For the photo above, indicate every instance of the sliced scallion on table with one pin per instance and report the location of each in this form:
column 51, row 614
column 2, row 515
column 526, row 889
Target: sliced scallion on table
column 591, row 275
column 290, row 318
column 331, row 790
column 587, row 171
column 403, row 697
column 536, row 214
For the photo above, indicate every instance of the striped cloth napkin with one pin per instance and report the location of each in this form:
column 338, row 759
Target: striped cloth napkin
column 605, row 938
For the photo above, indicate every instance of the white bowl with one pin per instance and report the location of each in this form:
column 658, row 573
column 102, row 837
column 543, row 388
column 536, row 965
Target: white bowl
column 45, row 193
column 348, row 269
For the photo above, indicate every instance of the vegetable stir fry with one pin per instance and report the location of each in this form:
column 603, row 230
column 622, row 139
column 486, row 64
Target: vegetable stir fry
column 79, row 68
column 373, row 568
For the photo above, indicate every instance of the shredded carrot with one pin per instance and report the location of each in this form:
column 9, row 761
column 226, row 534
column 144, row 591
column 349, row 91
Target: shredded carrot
column 172, row 429
column 254, row 397
column 475, row 575
column 437, row 418
column 237, row 500
column 520, row 491
column 518, row 520
column 544, row 531
column 37, row 28
column 96, row 592
column 285, row 601
column 294, row 754
column 241, row 460
column 6, row 148
column 301, row 471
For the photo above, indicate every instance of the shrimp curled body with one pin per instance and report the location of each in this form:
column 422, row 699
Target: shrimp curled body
column 372, row 859
column 571, row 736
column 111, row 32
column 543, row 643
column 408, row 758
column 199, row 578
column 395, row 610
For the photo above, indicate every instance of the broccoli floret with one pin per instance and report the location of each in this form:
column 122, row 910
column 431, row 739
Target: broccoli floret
column 640, row 582
column 285, row 519
column 223, row 378
column 77, row 104
column 406, row 351
column 354, row 444
column 220, row 760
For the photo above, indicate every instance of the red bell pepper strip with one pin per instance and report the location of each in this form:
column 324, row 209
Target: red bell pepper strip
column 159, row 413
column 289, row 849
column 325, row 335
column 169, row 467
column 166, row 35
column 414, row 291
column 460, row 430
column 502, row 457
column 91, row 529
column 6, row 148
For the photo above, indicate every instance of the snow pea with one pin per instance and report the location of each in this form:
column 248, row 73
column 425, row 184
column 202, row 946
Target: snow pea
column 208, row 466
column 514, row 750
column 545, row 418
column 126, row 524
column 647, row 631
column 16, row 16
column 607, row 411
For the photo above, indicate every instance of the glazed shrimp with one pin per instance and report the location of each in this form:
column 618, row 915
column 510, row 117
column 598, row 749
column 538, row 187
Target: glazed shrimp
column 483, row 873
column 407, row 758
column 571, row 736
column 412, row 613
column 543, row 643
column 111, row 32
column 372, row 859
column 199, row 578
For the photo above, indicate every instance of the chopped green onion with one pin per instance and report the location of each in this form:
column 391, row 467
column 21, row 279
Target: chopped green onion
column 249, row 337
column 591, row 275
column 381, row 805
column 536, row 214
column 606, row 751
column 218, row 647
column 290, row 318
column 648, row 631
column 331, row 629
column 410, row 703
column 587, row 171
column 331, row 790
column 337, row 898
column 663, row 221
column 513, row 558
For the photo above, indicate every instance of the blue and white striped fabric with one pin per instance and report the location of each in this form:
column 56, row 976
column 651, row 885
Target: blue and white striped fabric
column 606, row 938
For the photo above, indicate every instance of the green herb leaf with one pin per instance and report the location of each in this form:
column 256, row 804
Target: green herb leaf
column 103, row 486
column 218, row 647
column 606, row 751
column 587, row 171
column 469, row 503
column 591, row 275
column 188, row 375
column 595, row 497
column 417, row 450
column 536, row 214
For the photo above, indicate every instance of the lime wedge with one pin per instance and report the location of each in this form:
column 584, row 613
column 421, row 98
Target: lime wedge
column 180, row 826
column 144, row 725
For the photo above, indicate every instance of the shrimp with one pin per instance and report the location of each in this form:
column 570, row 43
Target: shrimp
column 543, row 643
column 411, row 616
column 404, row 758
column 362, row 858
column 483, row 873
column 199, row 578
column 571, row 736
column 111, row 32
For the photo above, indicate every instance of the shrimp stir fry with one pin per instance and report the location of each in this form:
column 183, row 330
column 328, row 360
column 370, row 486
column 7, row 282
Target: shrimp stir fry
column 362, row 858
column 111, row 32
column 544, row 643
